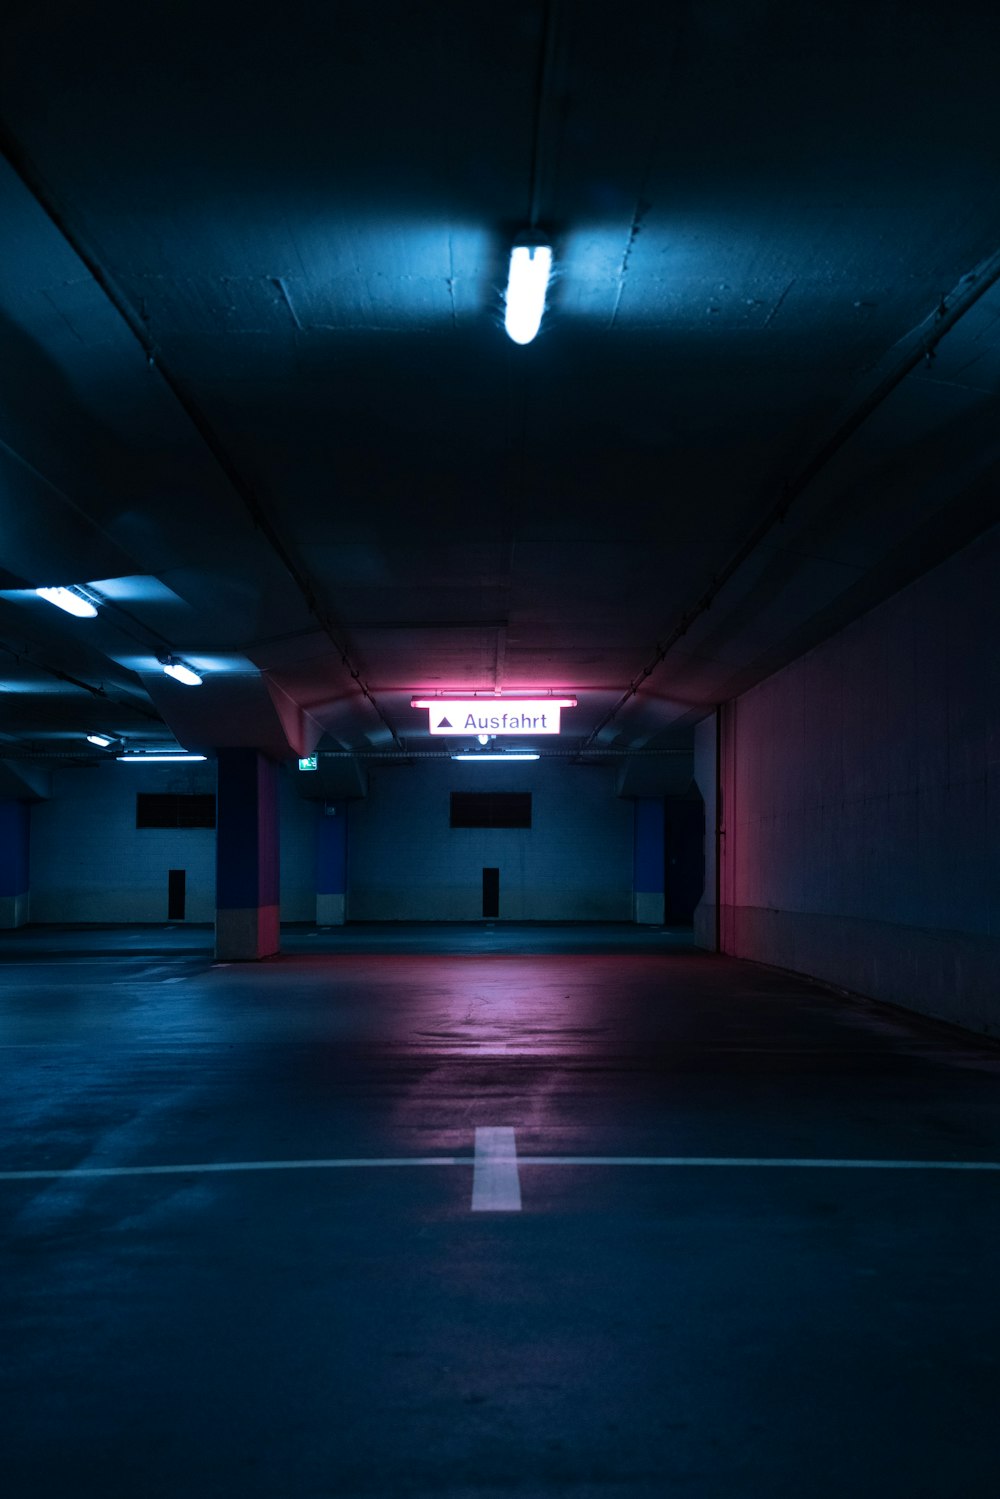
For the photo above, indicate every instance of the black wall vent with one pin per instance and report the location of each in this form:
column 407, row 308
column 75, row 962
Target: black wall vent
column 176, row 894
column 155, row 810
column 491, row 809
column 491, row 892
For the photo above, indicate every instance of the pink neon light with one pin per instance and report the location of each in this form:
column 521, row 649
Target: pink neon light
column 492, row 697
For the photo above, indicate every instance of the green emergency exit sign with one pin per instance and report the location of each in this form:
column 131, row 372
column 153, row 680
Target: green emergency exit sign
column 309, row 763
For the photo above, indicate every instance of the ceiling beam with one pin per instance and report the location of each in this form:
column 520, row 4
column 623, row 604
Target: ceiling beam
column 20, row 163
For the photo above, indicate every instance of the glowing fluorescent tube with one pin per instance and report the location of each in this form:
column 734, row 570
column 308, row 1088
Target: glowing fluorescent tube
column 180, row 672
column 141, row 757
column 498, row 755
column 527, row 282
column 102, row 739
column 70, row 600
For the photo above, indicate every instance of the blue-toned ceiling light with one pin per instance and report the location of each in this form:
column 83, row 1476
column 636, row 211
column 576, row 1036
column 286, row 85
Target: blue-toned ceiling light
column 146, row 757
column 104, row 740
column 180, row 671
column 527, row 283
column 73, row 599
column 482, row 755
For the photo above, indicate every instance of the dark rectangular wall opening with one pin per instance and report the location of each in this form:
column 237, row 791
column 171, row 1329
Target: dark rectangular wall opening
column 155, row 810
column 684, row 858
column 491, row 892
column 176, row 894
column 491, row 809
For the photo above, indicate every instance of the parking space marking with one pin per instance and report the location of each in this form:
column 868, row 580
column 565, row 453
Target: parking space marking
column 496, row 1186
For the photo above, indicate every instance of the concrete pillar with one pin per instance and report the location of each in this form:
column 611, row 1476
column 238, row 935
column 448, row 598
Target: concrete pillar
column 15, row 828
column 331, row 865
column 247, row 865
column 647, row 854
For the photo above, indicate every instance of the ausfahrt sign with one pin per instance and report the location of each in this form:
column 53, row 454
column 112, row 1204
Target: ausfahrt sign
column 510, row 715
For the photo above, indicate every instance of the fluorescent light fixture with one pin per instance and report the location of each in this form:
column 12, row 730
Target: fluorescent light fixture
column 102, row 739
column 503, row 699
column 73, row 600
column 180, row 672
column 494, row 755
column 145, row 757
column 527, row 282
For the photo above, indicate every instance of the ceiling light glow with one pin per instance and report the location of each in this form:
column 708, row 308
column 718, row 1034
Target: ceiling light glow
column 145, row 757
column 181, row 672
column 527, row 283
column 102, row 739
column 494, row 755
column 73, row 600
column 529, row 695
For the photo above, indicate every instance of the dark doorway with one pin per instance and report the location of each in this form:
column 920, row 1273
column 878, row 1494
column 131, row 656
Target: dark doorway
column 684, row 857
column 176, row 894
column 491, row 892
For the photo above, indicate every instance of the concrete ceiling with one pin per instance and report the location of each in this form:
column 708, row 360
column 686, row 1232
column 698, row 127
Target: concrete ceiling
column 256, row 393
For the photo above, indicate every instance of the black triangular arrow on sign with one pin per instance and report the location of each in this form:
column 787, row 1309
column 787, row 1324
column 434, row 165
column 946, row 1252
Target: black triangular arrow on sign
column 445, row 724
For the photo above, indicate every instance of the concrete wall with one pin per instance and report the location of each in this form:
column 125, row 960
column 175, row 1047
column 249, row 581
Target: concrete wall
column 299, row 820
column 89, row 861
column 861, row 802
column 406, row 863
column 15, row 861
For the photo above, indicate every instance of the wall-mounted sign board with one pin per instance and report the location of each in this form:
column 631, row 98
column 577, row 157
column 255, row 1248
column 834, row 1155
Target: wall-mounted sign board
column 309, row 762
column 509, row 715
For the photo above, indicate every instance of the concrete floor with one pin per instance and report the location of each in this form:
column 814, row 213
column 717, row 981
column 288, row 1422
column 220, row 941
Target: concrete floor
column 718, row 1331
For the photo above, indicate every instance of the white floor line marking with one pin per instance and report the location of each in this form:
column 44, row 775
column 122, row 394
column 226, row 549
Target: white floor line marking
column 68, row 962
column 203, row 1167
column 791, row 1162
column 496, row 1186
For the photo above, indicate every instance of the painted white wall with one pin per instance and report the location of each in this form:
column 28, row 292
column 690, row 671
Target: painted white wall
column 862, row 802
column 405, row 863
column 89, row 861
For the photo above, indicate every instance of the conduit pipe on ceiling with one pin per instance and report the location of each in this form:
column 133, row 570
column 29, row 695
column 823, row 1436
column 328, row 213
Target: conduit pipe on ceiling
column 544, row 754
column 65, row 676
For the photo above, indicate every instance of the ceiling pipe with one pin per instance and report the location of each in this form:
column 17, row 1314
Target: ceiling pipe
column 543, row 89
column 543, row 754
column 65, row 676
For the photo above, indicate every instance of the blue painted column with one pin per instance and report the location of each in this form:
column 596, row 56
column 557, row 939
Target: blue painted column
column 247, row 862
column 331, row 865
column 15, row 830
column 647, row 865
